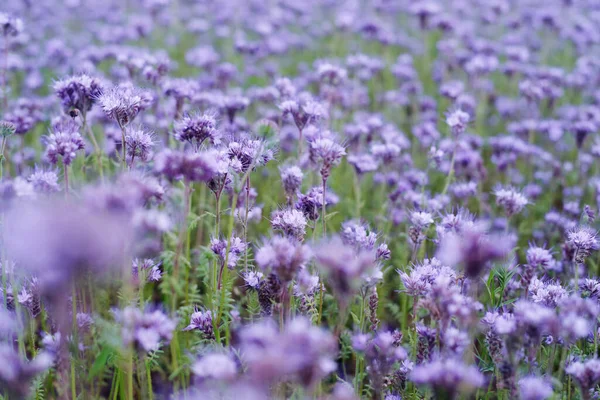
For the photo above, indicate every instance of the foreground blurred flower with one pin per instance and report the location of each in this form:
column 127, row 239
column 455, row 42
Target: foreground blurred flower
column 586, row 374
column 16, row 375
column 301, row 353
column 447, row 377
column 59, row 241
column 472, row 249
column 215, row 366
column 145, row 330
column 347, row 271
column 192, row 167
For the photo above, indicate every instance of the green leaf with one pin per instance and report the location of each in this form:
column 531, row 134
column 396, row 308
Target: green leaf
column 100, row 362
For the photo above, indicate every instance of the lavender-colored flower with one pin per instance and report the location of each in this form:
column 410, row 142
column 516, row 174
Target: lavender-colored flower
column 291, row 177
column 282, row 256
column 215, row 366
column 326, row 153
column 303, row 111
column 201, row 321
column 586, row 374
column 10, row 25
column 123, row 103
column 457, row 120
column 16, row 374
column 7, row 129
column 447, row 376
column 78, row 92
column 512, row 201
column 236, row 249
column 290, row 222
column 192, row 167
column 64, row 141
column 473, row 249
column 539, row 257
column 139, row 144
column 347, row 270
column 196, row 129
column 57, row 241
column 145, row 330
column 363, row 163
column 583, row 241
column 44, row 181
column 308, row 352
column 535, row 388
column 247, row 154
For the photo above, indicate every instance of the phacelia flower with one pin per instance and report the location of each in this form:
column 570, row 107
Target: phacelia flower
column 78, row 92
column 123, row 103
column 145, row 330
column 139, row 144
column 290, row 222
column 282, row 256
column 196, row 129
column 512, row 201
column 192, row 167
column 64, row 141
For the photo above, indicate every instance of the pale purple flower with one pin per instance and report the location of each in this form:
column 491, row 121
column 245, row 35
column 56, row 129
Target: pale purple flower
column 145, row 330
column 64, row 141
column 290, row 222
column 201, row 320
column 448, row 375
column 511, row 200
column 535, row 388
column 215, row 366
column 282, row 256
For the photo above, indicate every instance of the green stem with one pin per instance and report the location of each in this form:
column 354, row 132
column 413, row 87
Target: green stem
column 2, row 156
column 357, row 194
column 149, row 380
column 450, row 172
column 323, row 210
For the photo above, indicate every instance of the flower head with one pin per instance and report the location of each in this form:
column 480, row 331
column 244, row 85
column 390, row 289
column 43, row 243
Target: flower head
column 78, row 92
column 64, row 141
column 124, row 102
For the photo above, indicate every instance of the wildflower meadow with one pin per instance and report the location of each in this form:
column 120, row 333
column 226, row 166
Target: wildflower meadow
column 319, row 199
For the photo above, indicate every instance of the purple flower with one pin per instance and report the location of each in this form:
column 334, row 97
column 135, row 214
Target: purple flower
column 291, row 177
column 586, row 374
column 583, row 241
column 457, row 120
column 236, row 249
column 473, row 249
column 139, row 144
column 58, row 241
column 64, row 141
column 290, row 222
column 43, row 181
column 16, row 374
column 535, row 388
column 201, row 321
column 282, row 256
column 215, row 366
column 326, row 153
column 301, row 352
column 123, row 103
column 145, row 330
column 447, row 376
column 512, row 201
column 195, row 129
column 78, row 92
column 192, row 167
column 347, row 270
